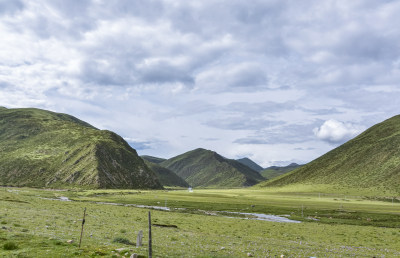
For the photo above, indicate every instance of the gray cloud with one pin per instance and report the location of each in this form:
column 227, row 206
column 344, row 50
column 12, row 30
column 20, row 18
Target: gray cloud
column 164, row 72
column 302, row 149
column 259, row 73
column 10, row 7
column 289, row 134
column 242, row 123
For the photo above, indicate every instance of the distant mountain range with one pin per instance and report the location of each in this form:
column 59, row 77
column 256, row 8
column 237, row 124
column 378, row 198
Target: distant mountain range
column 275, row 171
column 251, row 164
column 40, row 148
column 152, row 159
column 205, row 168
column 45, row 149
column 370, row 160
column 269, row 172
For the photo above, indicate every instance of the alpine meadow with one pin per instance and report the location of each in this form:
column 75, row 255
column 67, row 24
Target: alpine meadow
column 302, row 213
column 204, row 129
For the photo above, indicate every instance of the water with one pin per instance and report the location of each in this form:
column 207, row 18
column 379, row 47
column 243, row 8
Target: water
column 267, row 217
column 255, row 216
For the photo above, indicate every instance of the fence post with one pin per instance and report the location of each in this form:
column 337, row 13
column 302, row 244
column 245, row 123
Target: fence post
column 150, row 247
column 139, row 238
column 83, row 222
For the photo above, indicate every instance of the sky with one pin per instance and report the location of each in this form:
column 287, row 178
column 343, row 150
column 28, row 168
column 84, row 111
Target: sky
column 273, row 80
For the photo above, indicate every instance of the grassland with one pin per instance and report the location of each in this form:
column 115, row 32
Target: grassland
column 332, row 225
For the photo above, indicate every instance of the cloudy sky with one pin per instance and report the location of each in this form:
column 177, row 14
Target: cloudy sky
column 273, row 80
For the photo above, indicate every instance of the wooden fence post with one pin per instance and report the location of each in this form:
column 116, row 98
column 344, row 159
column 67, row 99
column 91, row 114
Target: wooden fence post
column 150, row 247
column 83, row 222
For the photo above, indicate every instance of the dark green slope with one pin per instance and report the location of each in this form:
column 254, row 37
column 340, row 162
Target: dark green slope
column 371, row 160
column 204, row 168
column 275, row 171
column 251, row 164
column 152, row 159
column 166, row 176
column 42, row 148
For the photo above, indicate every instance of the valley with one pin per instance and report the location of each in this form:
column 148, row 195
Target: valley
column 331, row 225
column 54, row 166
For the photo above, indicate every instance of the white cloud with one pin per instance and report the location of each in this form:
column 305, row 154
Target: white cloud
column 334, row 131
column 257, row 76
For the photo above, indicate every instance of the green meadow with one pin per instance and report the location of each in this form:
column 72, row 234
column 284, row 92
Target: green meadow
column 35, row 223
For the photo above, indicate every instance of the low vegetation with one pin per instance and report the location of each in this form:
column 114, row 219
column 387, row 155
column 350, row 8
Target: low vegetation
column 166, row 176
column 371, row 160
column 332, row 225
column 205, row 168
column 40, row 148
column 251, row 164
column 275, row 171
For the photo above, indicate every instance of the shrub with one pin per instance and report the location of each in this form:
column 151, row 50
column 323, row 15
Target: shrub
column 122, row 240
column 10, row 246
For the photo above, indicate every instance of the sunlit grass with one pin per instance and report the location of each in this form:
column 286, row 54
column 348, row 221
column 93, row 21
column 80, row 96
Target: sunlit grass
column 41, row 227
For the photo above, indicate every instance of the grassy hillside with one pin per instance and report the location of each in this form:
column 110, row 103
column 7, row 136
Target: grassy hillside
column 152, row 159
column 369, row 161
column 251, row 164
column 166, row 176
column 275, row 171
column 204, row 168
column 46, row 149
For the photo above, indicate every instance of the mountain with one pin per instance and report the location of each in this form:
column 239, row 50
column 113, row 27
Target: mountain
column 205, row 168
column 275, row 171
column 152, row 159
column 370, row 160
column 166, row 176
column 251, row 164
column 40, row 148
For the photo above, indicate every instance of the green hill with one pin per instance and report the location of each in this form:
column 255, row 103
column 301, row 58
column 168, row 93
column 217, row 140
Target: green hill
column 45, row 149
column 152, row 159
column 251, row 164
column 369, row 161
column 204, row 168
column 275, row 171
column 166, row 176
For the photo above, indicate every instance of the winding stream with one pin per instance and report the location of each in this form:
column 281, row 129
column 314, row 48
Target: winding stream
column 254, row 216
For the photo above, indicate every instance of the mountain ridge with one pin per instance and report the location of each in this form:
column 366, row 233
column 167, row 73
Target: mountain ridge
column 166, row 176
column 275, row 171
column 46, row 149
column 205, row 168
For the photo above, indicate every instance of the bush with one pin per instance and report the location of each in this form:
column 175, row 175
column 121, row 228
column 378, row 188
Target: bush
column 10, row 246
column 122, row 241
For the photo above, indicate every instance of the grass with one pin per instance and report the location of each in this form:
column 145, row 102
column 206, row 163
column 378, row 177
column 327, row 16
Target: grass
column 166, row 176
column 50, row 224
column 122, row 240
column 369, row 160
column 205, row 168
column 274, row 171
column 10, row 246
column 45, row 149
